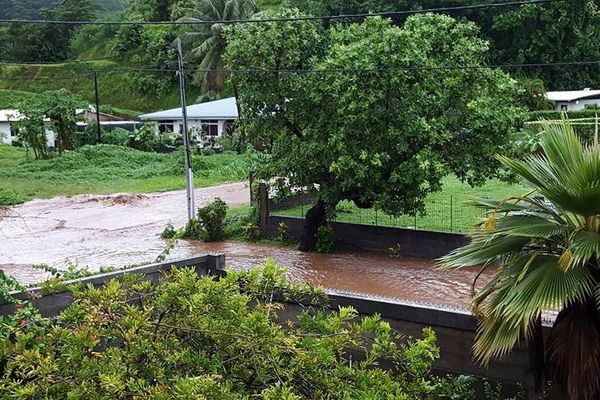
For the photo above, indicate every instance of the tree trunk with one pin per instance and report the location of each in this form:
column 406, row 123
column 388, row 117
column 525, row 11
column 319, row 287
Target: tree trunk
column 315, row 218
column 537, row 360
column 573, row 351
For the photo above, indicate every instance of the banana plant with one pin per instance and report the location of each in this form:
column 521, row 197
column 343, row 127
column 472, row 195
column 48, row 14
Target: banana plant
column 544, row 247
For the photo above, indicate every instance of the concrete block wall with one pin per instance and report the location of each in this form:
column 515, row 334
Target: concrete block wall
column 413, row 243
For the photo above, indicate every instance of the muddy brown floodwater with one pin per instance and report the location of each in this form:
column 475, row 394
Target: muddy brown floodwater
column 121, row 230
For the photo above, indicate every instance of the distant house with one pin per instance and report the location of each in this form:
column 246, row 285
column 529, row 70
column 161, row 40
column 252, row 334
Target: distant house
column 212, row 119
column 9, row 130
column 574, row 100
column 9, row 118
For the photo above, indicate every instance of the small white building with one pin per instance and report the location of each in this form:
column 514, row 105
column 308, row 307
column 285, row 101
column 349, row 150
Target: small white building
column 574, row 100
column 9, row 130
column 212, row 119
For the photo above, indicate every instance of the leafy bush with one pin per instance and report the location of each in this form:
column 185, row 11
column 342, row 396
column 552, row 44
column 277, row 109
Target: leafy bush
column 197, row 337
column 194, row 230
column 144, row 138
column 89, row 136
column 252, row 232
column 169, row 232
column 117, row 137
column 212, row 218
column 9, row 197
column 325, row 240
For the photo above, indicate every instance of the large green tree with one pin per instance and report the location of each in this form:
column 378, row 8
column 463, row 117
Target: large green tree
column 55, row 110
column 383, row 133
column 532, row 33
column 544, row 247
column 554, row 32
column 44, row 43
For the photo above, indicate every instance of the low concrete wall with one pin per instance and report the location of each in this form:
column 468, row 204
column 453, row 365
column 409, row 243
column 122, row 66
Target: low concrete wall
column 52, row 304
column 413, row 243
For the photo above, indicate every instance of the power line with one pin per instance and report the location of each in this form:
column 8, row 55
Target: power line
column 287, row 19
column 68, row 62
column 151, row 69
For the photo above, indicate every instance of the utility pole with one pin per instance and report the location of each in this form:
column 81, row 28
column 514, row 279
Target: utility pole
column 189, row 174
column 98, row 130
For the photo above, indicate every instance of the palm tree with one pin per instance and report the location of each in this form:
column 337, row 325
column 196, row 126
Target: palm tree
column 207, row 41
column 545, row 249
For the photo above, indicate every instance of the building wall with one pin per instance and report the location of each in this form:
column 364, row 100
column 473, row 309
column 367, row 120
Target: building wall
column 576, row 105
column 5, row 133
column 176, row 126
column 5, row 136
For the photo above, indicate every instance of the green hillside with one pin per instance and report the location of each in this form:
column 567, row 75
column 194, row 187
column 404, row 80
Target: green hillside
column 129, row 91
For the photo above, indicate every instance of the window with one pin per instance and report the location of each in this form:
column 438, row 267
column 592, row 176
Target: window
column 210, row 128
column 230, row 127
column 564, row 107
column 14, row 131
column 165, row 127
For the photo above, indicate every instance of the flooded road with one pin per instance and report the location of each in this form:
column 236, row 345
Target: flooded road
column 96, row 231
column 376, row 274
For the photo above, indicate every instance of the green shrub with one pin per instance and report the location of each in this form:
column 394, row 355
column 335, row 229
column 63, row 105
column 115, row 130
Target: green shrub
column 117, row 136
column 194, row 230
column 212, row 218
column 10, row 197
column 89, row 136
column 169, row 232
column 144, row 138
column 325, row 240
column 282, row 230
column 252, row 232
column 194, row 337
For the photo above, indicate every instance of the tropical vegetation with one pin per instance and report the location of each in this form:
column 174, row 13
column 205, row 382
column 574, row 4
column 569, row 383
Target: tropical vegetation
column 106, row 169
column 207, row 43
column 205, row 338
column 544, row 247
column 382, row 137
column 554, row 31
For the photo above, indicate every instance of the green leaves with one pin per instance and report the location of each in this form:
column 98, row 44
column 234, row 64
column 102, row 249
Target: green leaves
column 385, row 132
column 545, row 246
column 199, row 337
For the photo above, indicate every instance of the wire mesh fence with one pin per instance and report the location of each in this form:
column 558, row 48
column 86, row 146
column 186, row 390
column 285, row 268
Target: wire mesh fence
column 443, row 214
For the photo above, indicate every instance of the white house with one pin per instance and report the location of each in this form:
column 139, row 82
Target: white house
column 574, row 100
column 8, row 128
column 213, row 118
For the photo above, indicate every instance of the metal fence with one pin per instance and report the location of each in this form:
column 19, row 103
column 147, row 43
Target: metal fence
column 443, row 214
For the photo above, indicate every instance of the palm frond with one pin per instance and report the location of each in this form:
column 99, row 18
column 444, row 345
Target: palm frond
column 480, row 252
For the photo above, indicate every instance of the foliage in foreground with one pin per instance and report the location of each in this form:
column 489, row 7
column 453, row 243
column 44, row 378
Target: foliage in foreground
column 545, row 245
column 197, row 337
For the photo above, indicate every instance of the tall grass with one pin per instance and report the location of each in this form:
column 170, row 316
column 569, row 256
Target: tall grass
column 109, row 169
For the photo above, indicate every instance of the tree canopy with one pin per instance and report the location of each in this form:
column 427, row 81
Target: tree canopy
column 385, row 132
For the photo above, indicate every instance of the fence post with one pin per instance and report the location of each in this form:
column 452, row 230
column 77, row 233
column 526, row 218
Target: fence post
column 451, row 214
column 251, row 183
column 263, row 199
column 415, row 220
column 376, row 218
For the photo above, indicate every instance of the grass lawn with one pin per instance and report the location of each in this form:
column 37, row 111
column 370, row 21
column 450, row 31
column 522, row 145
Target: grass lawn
column 109, row 169
column 447, row 211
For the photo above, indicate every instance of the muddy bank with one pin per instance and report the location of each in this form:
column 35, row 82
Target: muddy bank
column 95, row 231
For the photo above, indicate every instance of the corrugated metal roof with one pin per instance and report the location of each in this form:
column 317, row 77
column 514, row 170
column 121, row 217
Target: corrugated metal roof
column 9, row 115
column 572, row 95
column 219, row 109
